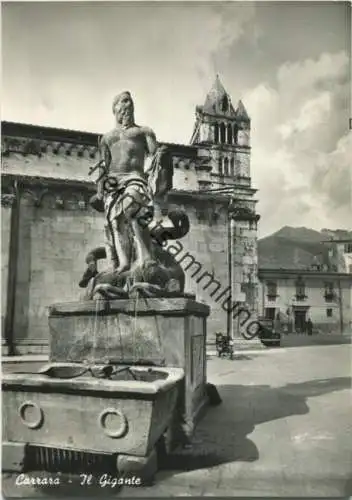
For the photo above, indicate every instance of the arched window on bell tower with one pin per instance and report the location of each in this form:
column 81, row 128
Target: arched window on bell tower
column 229, row 134
column 226, row 166
column 216, row 133
column 224, row 104
column 222, row 133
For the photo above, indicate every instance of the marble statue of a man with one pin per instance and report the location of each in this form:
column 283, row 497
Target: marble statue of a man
column 125, row 187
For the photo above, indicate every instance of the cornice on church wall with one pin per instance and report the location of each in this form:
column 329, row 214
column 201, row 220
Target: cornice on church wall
column 25, row 143
column 14, row 129
column 75, row 195
column 28, row 142
column 35, row 139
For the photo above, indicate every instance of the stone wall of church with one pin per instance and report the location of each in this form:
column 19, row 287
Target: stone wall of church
column 56, row 234
column 73, row 163
column 203, row 254
column 53, row 244
column 57, row 229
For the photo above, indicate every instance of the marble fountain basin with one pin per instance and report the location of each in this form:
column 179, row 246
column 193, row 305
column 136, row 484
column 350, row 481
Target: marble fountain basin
column 73, row 407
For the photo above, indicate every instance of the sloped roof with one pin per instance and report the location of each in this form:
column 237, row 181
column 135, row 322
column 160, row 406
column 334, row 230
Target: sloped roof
column 217, row 101
column 241, row 112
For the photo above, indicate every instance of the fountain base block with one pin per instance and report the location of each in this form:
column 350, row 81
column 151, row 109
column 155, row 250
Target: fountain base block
column 121, row 417
column 160, row 331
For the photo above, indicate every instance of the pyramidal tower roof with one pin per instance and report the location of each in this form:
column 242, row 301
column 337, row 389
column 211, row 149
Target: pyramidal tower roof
column 217, row 101
column 241, row 112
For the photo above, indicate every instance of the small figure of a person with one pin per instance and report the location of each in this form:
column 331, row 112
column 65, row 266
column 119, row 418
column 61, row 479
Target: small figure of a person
column 277, row 323
column 309, row 327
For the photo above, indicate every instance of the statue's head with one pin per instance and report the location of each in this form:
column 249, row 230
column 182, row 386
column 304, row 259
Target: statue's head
column 123, row 108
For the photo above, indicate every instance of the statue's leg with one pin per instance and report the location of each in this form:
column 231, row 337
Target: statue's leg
column 135, row 207
column 111, row 255
column 118, row 243
column 143, row 242
column 121, row 245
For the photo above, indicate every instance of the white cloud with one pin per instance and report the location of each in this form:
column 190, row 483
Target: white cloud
column 312, row 114
column 73, row 61
column 293, row 78
column 301, row 152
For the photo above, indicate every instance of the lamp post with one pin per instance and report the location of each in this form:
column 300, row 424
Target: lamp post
column 231, row 244
column 231, row 268
column 229, row 261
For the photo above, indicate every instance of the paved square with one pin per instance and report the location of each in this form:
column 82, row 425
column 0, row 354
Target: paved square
column 283, row 429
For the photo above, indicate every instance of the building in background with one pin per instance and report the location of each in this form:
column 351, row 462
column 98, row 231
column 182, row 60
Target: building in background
column 340, row 252
column 297, row 295
column 48, row 226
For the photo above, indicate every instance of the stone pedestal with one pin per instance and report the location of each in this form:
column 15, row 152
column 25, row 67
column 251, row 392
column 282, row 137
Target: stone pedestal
column 163, row 331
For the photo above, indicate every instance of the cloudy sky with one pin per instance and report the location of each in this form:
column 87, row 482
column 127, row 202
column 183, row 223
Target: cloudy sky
column 288, row 61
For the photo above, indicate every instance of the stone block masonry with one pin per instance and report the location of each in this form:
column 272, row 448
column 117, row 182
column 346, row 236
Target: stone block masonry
column 57, row 228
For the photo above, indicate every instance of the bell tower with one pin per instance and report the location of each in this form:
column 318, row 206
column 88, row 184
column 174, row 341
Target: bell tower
column 225, row 129
column 222, row 137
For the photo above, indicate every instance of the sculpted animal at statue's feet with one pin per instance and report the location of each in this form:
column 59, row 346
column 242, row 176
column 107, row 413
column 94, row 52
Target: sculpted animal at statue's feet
column 107, row 284
column 180, row 227
column 148, row 280
column 160, row 276
column 110, row 285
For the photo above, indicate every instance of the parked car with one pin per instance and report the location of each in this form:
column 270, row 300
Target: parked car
column 268, row 335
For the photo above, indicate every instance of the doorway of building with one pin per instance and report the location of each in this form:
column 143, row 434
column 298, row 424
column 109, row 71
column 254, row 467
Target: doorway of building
column 270, row 313
column 300, row 321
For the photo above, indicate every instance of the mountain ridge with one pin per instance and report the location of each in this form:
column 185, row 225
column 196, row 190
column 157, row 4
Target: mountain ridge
column 298, row 248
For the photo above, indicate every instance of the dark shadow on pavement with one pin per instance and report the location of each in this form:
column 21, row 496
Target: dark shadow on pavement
column 222, row 436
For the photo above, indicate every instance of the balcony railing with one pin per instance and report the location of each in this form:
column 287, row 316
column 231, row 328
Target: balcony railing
column 272, row 296
column 329, row 296
column 301, row 297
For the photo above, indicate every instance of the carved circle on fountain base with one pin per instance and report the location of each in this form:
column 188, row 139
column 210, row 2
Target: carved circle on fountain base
column 115, row 429
column 33, row 422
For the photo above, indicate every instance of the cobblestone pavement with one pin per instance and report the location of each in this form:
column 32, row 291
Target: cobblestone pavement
column 283, row 429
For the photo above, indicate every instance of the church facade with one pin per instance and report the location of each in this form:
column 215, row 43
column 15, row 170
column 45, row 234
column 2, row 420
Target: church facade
column 48, row 226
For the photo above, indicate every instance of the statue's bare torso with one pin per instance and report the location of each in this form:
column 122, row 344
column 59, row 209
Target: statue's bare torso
column 126, row 149
column 131, row 193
